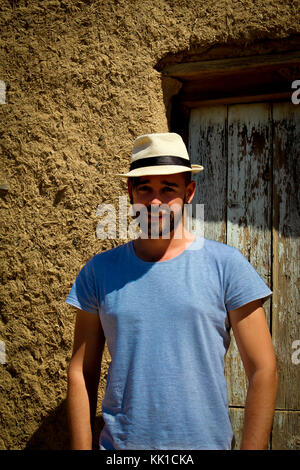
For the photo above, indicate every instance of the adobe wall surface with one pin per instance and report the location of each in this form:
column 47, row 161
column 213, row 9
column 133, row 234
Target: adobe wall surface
column 81, row 84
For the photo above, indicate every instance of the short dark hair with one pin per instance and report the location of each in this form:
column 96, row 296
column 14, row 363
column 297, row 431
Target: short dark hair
column 187, row 177
column 134, row 180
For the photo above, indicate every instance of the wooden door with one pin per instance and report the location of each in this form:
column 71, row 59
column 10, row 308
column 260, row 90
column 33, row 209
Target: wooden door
column 250, row 191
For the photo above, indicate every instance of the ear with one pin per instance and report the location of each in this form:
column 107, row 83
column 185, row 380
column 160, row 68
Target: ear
column 190, row 191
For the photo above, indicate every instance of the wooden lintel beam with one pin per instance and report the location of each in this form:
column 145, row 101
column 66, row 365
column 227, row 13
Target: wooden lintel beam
column 191, row 70
column 238, row 99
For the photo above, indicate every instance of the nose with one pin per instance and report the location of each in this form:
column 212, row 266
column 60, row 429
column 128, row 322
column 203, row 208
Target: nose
column 155, row 199
column 154, row 204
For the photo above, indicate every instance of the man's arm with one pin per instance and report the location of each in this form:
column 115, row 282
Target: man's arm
column 83, row 378
column 254, row 342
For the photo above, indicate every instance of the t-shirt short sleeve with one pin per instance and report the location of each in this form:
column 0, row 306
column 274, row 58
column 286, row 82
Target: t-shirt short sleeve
column 242, row 282
column 83, row 293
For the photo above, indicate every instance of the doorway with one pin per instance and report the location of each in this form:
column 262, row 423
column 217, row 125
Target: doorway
column 250, row 191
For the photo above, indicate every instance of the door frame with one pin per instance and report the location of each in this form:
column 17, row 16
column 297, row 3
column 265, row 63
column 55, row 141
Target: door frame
column 260, row 78
column 255, row 78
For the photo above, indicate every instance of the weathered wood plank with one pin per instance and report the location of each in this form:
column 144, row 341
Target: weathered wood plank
column 232, row 99
column 249, row 209
column 286, row 250
column 207, row 146
column 192, row 70
column 237, row 423
column 286, row 430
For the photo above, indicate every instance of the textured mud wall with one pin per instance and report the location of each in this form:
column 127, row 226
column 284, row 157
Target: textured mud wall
column 81, row 84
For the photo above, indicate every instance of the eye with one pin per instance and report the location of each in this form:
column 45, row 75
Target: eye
column 168, row 189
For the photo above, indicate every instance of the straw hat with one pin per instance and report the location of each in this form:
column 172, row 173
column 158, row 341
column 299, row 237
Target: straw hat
column 160, row 154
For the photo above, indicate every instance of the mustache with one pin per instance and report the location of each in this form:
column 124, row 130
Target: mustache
column 155, row 210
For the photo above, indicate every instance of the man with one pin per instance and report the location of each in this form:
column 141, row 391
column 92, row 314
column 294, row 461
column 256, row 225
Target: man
column 165, row 302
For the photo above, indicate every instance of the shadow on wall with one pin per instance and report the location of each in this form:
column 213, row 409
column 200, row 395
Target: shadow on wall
column 53, row 433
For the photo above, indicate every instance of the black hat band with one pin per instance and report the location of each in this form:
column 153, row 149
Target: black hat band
column 162, row 160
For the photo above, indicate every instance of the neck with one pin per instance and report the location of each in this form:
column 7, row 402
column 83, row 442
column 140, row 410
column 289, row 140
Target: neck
column 162, row 249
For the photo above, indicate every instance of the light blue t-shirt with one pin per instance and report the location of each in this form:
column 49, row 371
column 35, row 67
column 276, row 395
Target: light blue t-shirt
column 167, row 332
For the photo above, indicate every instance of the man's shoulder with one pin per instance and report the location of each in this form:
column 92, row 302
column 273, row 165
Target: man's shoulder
column 222, row 256
column 219, row 249
column 110, row 254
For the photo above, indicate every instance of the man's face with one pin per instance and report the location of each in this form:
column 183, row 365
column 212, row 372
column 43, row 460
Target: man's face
column 164, row 197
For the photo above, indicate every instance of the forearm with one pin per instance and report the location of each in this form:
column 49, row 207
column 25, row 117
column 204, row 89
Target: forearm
column 81, row 406
column 259, row 410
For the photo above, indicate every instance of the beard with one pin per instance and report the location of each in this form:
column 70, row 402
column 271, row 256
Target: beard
column 163, row 220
